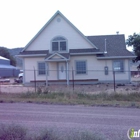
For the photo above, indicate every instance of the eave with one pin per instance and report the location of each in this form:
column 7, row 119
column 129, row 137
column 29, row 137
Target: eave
column 116, row 57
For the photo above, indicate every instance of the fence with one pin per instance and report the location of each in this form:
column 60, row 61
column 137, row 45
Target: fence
column 73, row 77
column 83, row 81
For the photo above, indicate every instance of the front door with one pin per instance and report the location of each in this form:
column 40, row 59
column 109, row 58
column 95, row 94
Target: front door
column 62, row 70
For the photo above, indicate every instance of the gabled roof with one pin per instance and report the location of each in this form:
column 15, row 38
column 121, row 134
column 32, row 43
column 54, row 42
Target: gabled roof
column 115, row 45
column 58, row 13
column 64, row 56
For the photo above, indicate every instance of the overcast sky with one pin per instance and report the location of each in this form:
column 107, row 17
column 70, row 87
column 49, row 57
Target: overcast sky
column 20, row 20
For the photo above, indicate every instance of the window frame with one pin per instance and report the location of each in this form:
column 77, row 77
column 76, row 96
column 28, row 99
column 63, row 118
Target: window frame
column 76, row 71
column 42, row 70
column 59, row 42
column 121, row 66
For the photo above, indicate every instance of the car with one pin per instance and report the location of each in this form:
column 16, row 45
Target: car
column 20, row 77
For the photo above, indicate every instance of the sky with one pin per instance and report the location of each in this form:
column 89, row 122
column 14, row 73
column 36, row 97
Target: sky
column 20, row 20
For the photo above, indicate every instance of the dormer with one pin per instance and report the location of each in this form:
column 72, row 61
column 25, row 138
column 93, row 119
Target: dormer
column 59, row 44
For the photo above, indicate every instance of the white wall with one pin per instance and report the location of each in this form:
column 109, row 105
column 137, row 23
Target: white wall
column 95, row 69
column 62, row 28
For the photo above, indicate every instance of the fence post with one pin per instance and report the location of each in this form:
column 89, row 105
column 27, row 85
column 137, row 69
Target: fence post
column 114, row 81
column 35, row 79
column 73, row 78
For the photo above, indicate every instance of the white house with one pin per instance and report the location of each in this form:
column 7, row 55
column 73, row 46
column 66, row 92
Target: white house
column 60, row 47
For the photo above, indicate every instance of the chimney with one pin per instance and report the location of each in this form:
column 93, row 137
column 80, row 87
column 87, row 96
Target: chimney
column 105, row 47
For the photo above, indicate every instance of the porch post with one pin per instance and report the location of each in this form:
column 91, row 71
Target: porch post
column 67, row 73
column 46, row 69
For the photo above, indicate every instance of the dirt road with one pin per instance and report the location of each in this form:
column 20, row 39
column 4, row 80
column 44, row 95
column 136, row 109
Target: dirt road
column 109, row 121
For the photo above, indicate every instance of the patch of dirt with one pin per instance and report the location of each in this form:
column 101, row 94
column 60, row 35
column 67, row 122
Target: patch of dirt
column 91, row 89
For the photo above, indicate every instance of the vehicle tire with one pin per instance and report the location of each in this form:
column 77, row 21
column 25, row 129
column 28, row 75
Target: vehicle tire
column 20, row 79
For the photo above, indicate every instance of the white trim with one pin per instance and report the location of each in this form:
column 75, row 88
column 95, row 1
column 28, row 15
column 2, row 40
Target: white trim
column 86, row 53
column 116, row 57
column 38, row 69
column 76, row 67
column 58, row 60
column 24, row 72
column 123, row 66
column 31, row 55
column 67, row 76
column 59, row 51
column 56, row 54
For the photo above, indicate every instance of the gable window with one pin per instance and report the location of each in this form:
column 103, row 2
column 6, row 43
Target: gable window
column 81, row 67
column 118, row 65
column 41, row 68
column 59, row 44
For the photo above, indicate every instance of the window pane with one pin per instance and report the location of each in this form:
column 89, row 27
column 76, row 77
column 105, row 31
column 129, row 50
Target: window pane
column 54, row 46
column 118, row 66
column 41, row 68
column 63, row 46
column 81, row 67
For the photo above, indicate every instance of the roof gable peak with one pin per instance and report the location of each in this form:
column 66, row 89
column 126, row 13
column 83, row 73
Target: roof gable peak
column 58, row 13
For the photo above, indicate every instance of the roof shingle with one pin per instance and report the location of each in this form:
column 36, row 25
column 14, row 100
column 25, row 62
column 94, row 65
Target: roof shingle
column 115, row 45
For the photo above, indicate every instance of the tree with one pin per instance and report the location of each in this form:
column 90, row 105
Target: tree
column 134, row 40
column 5, row 53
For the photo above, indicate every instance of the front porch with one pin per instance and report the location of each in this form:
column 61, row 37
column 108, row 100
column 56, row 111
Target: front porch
column 61, row 71
column 64, row 82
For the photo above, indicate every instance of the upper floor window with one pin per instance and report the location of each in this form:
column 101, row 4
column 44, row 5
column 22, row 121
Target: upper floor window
column 59, row 44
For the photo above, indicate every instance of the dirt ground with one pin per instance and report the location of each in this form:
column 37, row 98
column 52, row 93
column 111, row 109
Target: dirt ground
column 11, row 87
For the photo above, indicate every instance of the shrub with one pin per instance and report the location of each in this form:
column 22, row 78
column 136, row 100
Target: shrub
column 12, row 132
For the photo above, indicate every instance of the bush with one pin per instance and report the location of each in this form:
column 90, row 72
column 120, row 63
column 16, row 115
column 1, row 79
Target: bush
column 84, row 135
column 12, row 132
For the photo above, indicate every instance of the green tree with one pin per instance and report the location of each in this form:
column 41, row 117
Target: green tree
column 134, row 41
column 5, row 53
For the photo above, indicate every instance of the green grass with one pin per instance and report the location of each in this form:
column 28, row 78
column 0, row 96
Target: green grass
column 101, row 99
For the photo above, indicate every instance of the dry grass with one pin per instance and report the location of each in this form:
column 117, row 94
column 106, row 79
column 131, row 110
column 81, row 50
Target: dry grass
column 101, row 99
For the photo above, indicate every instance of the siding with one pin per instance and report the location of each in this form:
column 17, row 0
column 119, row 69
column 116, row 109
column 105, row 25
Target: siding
column 43, row 41
column 95, row 69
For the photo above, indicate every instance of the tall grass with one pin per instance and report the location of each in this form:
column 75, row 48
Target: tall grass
column 74, row 98
column 16, row 132
column 101, row 96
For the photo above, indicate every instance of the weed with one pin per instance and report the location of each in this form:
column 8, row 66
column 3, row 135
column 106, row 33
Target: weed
column 12, row 132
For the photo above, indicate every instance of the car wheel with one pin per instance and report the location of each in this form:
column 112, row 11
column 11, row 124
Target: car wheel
column 21, row 79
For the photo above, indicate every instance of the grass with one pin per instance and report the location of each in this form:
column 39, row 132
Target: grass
column 101, row 99
column 17, row 132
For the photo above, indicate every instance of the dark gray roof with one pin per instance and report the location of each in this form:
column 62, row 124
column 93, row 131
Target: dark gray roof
column 115, row 45
column 33, row 52
column 84, row 50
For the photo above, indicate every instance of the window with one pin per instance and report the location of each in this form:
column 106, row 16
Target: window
column 118, row 65
column 59, row 44
column 41, row 68
column 81, row 67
